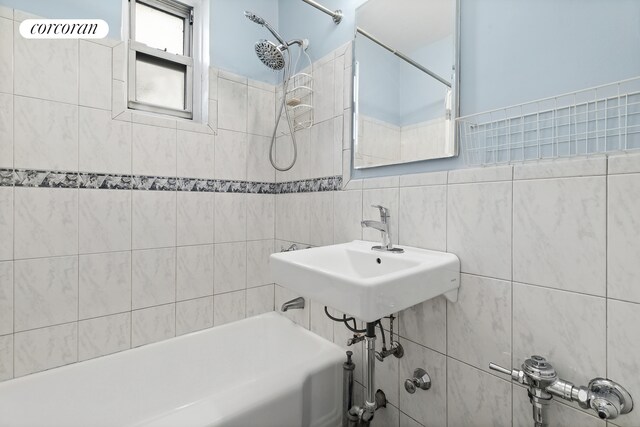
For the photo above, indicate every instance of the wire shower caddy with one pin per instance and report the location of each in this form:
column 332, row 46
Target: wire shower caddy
column 602, row 119
column 299, row 99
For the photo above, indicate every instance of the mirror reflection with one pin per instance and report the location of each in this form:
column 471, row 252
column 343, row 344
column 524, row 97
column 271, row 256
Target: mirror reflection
column 404, row 101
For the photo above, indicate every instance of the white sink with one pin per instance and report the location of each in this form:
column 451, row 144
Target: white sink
column 367, row 284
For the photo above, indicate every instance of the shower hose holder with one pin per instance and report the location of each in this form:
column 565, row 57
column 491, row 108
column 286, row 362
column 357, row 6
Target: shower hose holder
column 607, row 398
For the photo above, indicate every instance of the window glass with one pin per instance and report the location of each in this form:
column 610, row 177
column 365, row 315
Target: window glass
column 159, row 29
column 160, row 82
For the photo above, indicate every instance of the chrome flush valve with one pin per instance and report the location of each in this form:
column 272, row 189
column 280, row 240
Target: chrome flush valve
column 607, row 398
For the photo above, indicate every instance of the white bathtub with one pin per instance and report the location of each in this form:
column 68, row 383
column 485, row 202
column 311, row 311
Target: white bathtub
column 262, row 371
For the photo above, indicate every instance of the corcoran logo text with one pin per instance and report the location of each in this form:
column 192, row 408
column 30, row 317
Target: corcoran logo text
column 64, row 29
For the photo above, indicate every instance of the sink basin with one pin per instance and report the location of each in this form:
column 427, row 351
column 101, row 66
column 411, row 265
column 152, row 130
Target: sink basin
column 367, row 284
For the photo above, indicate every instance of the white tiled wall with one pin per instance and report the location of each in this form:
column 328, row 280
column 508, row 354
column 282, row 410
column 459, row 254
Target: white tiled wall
column 84, row 273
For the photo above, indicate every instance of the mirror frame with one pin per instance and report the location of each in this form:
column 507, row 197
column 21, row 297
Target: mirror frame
column 349, row 164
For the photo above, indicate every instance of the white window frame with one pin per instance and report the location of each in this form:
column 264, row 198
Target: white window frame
column 196, row 58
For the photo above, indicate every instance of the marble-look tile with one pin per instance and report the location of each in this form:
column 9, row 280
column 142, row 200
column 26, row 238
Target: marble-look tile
column 320, row 218
column 56, row 59
column 427, row 408
column 153, row 219
column 260, row 300
column 488, row 174
column 407, row 421
column 476, row 398
column 6, row 223
column 387, row 373
column 195, row 272
column 561, row 168
column 6, row 297
column 260, row 216
column 258, row 252
column 45, row 134
column 231, row 217
column 347, row 214
column 381, row 182
column 321, row 150
column 227, row 75
column 337, row 145
column 195, row 154
column 230, row 267
column 624, row 163
column 229, row 307
column 623, row 234
column 104, row 284
column 479, row 227
column 46, row 222
column 423, row 179
column 6, row 130
column 560, row 415
column 387, row 197
column 258, row 166
column 153, row 324
column 104, row 335
column 212, row 114
column 232, row 105
column 195, row 218
column 319, row 323
column 154, row 120
column 423, row 217
column 105, row 220
column 323, row 91
column 45, row 348
column 6, row 357
column 479, row 323
column 6, row 55
column 231, row 155
column 153, row 277
column 46, row 292
column 623, row 348
column 300, row 316
column 119, row 62
column 338, row 86
column 6, row 12
column 194, row 315
column 558, row 325
column 292, row 217
column 119, row 100
column 388, row 416
column 104, row 143
column 426, row 324
column 261, row 111
column 213, row 83
column 559, row 233
column 153, row 150
column 347, row 130
column 94, row 75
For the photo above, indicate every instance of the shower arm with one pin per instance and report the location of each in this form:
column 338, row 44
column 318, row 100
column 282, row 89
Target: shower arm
column 335, row 14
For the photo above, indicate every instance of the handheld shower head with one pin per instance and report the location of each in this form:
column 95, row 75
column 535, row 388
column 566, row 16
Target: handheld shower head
column 253, row 17
column 271, row 55
column 260, row 21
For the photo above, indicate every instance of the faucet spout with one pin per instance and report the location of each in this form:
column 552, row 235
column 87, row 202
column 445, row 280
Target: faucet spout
column 380, row 226
column 294, row 304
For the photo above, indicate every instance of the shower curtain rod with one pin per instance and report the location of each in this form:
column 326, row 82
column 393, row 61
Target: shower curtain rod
column 403, row 57
column 335, row 14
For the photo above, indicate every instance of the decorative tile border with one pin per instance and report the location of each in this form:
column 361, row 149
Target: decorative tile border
column 88, row 180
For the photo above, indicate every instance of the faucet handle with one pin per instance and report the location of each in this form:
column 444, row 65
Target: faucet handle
column 515, row 374
column 384, row 212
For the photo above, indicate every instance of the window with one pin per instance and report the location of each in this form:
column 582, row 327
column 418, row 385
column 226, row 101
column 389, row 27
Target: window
column 161, row 57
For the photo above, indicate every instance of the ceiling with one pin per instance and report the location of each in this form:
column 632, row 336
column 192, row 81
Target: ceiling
column 406, row 25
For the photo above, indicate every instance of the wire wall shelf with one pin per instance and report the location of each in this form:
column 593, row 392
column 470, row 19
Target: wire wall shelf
column 300, row 100
column 603, row 119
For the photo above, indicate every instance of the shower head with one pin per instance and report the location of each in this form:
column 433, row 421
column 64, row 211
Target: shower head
column 260, row 21
column 271, row 55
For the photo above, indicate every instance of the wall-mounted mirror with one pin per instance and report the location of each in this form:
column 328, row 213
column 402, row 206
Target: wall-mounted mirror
column 405, row 67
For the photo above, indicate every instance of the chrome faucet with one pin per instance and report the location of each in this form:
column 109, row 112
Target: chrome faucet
column 385, row 231
column 294, row 304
